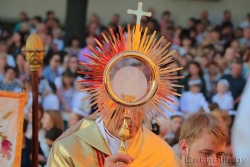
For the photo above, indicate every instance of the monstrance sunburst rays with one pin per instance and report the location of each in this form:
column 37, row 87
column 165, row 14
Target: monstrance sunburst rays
column 122, row 42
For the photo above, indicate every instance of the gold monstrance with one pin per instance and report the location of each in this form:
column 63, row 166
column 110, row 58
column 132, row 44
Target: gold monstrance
column 126, row 79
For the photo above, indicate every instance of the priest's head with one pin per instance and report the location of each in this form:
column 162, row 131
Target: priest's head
column 114, row 125
column 203, row 140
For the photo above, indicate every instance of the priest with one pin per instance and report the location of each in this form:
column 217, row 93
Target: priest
column 127, row 97
column 93, row 143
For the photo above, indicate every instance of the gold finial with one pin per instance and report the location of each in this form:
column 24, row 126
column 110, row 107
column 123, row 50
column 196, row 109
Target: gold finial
column 139, row 13
column 34, row 51
column 124, row 132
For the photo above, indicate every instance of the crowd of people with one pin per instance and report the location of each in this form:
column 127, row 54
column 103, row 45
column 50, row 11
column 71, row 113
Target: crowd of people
column 215, row 58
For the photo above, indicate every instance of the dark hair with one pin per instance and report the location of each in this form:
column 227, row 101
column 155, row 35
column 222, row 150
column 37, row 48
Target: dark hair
column 72, row 39
column 38, row 19
column 40, row 107
column 237, row 60
column 53, row 87
column 117, row 15
column 166, row 13
column 50, row 12
column 53, row 134
column 212, row 63
column 9, row 68
column 25, row 125
column 213, row 106
column 198, row 66
column 67, row 73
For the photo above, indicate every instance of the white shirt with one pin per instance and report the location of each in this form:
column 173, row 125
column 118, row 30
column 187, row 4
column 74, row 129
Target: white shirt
column 29, row 104
column 225, row 101
column 112, row 141
column 245, row 24
column 80, row 104
column 171, row 105
column 192, row 102
column 240, row 130
column 51, row 102
column 41, row 139
column 10, row 60
column 58, row 82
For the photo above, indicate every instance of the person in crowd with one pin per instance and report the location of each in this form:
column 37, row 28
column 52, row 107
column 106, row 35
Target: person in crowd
column 163, row 128
column 3, row 64
column 51, row 119
column 223, row 116
column 16, row 43
column 57, row 35
column 191, row 101
column 194, row 72
column 245, row 40
column 81, row 56
column 66, row 92
column 26, row 159
column 28, row 88
column 23, row 17
column 176, row 121
column 211, row 79
column 246, row 23
column 236, row 81
column 75, row 116
column 77, row 102
column 204, row 18
column 74, row 46
column 203, row 140
column 50, row 99
column 223, row 97
column 20, row 63
column 173, row 106
column 52, row 135
column 41, row 131
column 9, row 58
column 9, row 81
column 52, row 70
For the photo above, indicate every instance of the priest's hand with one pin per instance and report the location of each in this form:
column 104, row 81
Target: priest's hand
column 112, row 160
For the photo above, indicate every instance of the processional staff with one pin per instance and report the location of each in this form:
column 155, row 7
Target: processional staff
column 34, row 52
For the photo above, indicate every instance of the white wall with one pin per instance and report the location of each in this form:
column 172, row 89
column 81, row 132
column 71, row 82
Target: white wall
column 181, row 9
column 9, row 9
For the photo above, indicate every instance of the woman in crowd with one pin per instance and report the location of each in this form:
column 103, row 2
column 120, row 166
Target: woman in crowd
column 211, row 79
column 194, row 72
column 20, row 65
column 26, row 160
column 74, row 47
column 65, row 93
column 51, row 119
column 41, row 132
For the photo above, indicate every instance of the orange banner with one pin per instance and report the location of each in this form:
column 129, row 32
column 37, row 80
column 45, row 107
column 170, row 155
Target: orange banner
column 11, row 127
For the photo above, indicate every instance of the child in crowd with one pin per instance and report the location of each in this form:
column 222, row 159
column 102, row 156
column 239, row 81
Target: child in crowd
column 52, row 135
column 223, row 97
column 77, row 102
column 191, row 101
column 223, row 116
column 75, row 116
column 50, row 99
column 176, row 121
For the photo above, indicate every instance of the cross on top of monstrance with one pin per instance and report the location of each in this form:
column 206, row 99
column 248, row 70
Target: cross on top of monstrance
column 137, row 31
column 139, row 13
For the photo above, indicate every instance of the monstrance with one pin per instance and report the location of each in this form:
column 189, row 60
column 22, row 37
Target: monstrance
column 130, row 74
